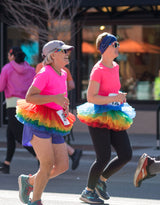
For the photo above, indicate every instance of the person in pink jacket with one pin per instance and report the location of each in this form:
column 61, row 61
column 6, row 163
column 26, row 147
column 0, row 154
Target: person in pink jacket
column 15, row 79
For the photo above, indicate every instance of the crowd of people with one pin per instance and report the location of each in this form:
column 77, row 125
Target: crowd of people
column 39, row 118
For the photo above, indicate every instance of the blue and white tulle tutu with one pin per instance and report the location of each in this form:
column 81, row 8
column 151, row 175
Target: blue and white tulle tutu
column 112, row 116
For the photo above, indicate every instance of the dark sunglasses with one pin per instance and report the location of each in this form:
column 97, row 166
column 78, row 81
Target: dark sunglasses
column 115, row 44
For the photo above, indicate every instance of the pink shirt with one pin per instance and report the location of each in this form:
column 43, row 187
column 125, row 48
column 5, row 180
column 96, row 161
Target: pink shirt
column 108, row 78
column 50, row 83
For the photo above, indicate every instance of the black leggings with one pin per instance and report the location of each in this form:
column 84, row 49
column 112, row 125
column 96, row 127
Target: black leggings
column 102, row 140
column 14, row 133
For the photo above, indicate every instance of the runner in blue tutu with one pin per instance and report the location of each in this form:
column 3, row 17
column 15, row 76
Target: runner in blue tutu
column 108, row 116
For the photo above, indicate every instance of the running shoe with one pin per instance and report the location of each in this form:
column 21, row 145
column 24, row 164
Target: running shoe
column 101, row 190
column 35, row 203
column 90, row 197
column 76, row 158
column 142, row 170
column 4, row 168
column 24, row 188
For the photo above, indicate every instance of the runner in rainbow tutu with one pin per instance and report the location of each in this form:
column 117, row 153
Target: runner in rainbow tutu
column 46, row 118
column 108, row 116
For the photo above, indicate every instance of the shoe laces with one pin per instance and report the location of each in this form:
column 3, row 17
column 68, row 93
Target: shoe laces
column 94, row 194
column 28, row 190
column 102, row 185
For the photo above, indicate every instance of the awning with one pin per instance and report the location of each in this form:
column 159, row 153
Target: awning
column 88, row 48
column 113, row 3
column 131, row 46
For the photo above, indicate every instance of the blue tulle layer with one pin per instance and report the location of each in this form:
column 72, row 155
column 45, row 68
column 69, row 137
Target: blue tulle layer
column 90, row 108
column 115, row 117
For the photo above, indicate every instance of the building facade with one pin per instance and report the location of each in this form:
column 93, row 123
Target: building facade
column 137, row 27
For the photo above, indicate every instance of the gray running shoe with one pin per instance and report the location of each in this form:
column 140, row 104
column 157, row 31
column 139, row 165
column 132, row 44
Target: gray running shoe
column 101, row 190
column 90, row 197
column 24, row 188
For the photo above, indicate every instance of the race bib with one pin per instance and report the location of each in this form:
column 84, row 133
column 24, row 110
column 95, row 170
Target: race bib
column 63, row 118
column 114, row 103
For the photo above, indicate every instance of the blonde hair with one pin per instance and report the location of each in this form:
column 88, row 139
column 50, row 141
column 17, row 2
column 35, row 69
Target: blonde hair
column 48, row 59
column 99, row 39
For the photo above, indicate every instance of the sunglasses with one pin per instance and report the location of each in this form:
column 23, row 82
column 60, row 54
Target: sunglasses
column 115, row 44
column 61, row 50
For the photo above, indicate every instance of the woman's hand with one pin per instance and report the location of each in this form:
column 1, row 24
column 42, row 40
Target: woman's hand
column 121, row 97
column 61, row 100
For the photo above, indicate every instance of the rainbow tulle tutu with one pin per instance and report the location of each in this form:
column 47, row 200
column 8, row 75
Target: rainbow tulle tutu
column 43, row 118
column 115, row 117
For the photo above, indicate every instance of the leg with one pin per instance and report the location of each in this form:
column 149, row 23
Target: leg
column 45, row 154
column 11, row 143
column 70, row 149
column 53, row 161
column 61, row 162
column 101, row 142
column 44, row 151
column 5, row 166
column 102, row 146
column 121, row 144
column 30, row 149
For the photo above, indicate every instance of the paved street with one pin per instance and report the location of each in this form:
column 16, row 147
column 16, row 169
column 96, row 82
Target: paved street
column 10, row 198
column 66, row 189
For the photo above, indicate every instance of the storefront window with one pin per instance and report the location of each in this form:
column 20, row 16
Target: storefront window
column 139, row 61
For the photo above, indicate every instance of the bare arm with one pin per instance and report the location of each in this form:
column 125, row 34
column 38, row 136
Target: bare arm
column 70, row 85
column 33, row 96
column 93, row 97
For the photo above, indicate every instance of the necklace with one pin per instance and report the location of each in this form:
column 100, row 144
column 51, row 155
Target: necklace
column 58, row 72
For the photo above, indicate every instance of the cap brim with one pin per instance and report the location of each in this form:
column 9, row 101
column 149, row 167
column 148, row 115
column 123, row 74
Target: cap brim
column 66, row 47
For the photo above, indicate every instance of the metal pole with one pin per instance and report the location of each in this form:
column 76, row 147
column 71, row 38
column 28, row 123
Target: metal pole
column 158, row 139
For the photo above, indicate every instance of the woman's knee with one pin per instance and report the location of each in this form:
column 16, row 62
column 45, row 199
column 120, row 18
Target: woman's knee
column 129, row 155
column 102, row 162
column 126, row 157
column 46, row 166
column 59, row 169
column 62, row 167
